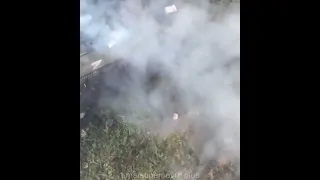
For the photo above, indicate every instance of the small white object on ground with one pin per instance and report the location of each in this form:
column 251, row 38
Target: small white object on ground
column 83, row 133
column 96, row 64
column 175, row 116
column 171, row 9
column 82, row 115
column 85, row 85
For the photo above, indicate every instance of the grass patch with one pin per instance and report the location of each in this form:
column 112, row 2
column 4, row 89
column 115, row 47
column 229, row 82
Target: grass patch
column 124, row 151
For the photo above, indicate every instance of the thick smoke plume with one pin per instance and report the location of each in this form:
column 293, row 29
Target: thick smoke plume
column 196, row 49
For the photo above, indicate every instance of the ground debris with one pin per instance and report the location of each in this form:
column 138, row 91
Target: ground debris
column 82, row 115
column 83, row 133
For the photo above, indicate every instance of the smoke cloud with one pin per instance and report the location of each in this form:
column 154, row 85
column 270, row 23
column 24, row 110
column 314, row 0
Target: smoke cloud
column 196, row 49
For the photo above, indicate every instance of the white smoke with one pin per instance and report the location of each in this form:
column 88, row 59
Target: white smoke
column 198, row 47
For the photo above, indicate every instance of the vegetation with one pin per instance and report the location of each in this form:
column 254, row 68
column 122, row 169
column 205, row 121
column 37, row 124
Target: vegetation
column 123, row 151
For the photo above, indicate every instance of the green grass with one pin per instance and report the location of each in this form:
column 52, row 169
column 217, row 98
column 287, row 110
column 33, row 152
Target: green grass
column 124, row 151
